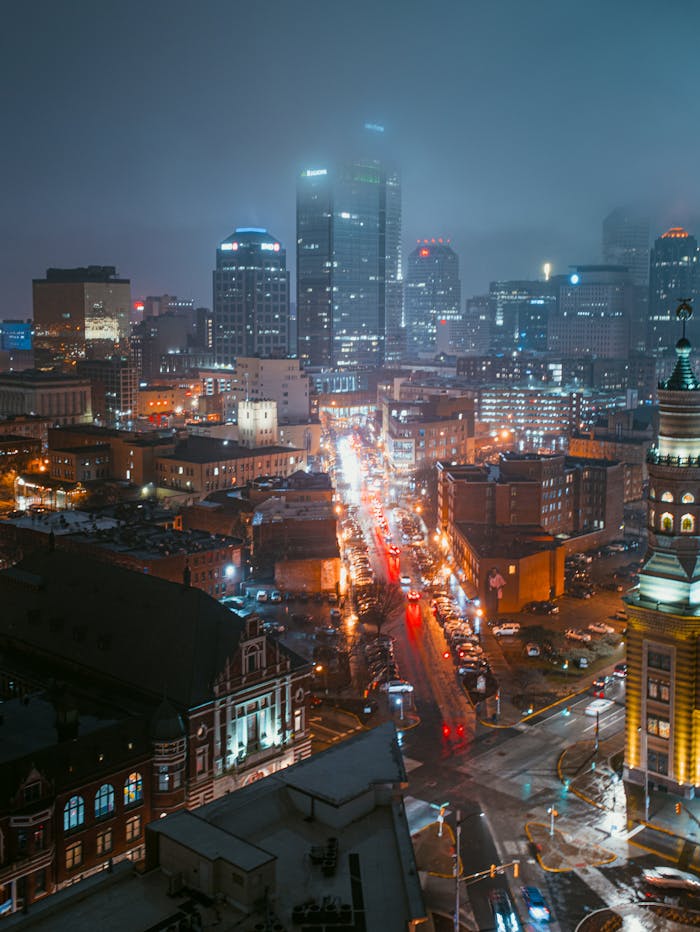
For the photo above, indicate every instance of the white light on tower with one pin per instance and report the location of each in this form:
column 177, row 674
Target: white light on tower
column 547, row 269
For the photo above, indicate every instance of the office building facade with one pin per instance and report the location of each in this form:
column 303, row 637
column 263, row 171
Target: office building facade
column 626, row 243
column 673, row 276
column 432, row 299
column 80, row 313
column 594, row 313
column 251, row 296
column 349, row 280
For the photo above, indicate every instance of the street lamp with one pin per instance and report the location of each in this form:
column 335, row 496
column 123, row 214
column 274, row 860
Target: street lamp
column 552, row 813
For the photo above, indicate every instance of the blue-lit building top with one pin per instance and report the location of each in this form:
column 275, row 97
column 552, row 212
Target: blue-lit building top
column 251, row 296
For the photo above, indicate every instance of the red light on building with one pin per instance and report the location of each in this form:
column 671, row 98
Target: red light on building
column 446, row 730
column 442, row 322
column 460, row 730
column 139, row 306
column 424, row 252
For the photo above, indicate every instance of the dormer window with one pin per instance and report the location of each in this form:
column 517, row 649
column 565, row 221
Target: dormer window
column 687, row 498
column 252, row 658
column 667, row 496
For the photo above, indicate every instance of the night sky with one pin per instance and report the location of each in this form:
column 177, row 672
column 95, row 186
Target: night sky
column 139, row 134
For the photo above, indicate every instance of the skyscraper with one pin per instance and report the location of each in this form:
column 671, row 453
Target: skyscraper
column 673, row 275
column 663, row 639
column 349, row 293
column 251, row 296
column 80, row 313
column 432, row 299
column 626, row 242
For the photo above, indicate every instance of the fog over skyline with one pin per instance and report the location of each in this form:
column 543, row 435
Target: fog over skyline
column 141, row 134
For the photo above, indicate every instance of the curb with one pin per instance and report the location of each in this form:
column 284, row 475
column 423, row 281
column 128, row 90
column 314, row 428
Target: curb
column 528, row 715
column 447, row 829
column 564, row 870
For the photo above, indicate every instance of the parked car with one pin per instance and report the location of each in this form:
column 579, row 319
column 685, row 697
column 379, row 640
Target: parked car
column 620, row 615
column 510, row 628
column 575, row 634
column 405, row 580
column 413, row 595
column 396, row 686
column 532, row 649
column 671, row 878
column 275, row 596
column 599, row 627
column 261, row 595
column 620, row 670
column 536, row 904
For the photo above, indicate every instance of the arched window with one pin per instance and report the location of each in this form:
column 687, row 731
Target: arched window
column 687, row 498
column 133, row 789
column 253, row 657
column 652, row 492
column 667, row 522
column 104, row 800
column 667, row 496
column 73, row 813
column 687, row 524
column 652, row 517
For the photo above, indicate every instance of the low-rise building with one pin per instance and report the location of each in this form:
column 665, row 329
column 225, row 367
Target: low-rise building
column 63, row 399
column 418, row 433
column 200, row 465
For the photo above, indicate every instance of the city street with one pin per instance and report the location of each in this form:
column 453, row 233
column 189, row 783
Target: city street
column 505, row 769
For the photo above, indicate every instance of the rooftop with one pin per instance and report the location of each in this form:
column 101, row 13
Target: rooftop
column 507, row 541
column 87, row 615
column 211, row 450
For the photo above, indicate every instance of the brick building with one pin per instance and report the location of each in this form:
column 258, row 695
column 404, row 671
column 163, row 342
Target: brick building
column 96, row 752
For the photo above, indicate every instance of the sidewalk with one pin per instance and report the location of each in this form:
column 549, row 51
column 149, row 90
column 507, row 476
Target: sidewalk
column 589, row 774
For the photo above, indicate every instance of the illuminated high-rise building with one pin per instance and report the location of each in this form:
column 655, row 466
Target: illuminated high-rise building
column 80, row 313
column 251, row 296
column 626, row 243
column 349, row 289
column 663, row 638
column 673, row 276
column 432, row 299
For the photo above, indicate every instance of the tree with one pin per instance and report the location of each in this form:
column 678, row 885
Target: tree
column 386, row 599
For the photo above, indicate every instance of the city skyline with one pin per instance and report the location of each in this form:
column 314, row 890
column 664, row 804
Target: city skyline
column 147, row 168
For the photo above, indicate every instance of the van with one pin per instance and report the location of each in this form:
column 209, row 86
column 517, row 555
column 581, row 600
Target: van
column 261, row 596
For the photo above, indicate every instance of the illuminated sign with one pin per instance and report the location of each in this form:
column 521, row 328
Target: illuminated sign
column 229, row 247
column 270, row 247
column 575, row 279
column 424, row 252
column 315, row 172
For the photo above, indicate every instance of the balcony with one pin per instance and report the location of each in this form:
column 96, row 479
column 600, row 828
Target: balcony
column 657, row 459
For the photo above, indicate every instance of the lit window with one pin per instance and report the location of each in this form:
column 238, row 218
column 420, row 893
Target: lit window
column 687, row 524
column 74, row 855
column 73, row 813
column 667, row 496
column 104, row 841
column 104, row 801
column 133, row 828
column 667, row 522
column 687, row 498
column 133, row 789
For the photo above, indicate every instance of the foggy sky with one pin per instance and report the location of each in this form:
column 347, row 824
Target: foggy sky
column 140, row 134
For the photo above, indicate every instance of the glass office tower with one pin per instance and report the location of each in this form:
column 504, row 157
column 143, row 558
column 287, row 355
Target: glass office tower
column 432, row 299
column 348, row 265
column 251, row 296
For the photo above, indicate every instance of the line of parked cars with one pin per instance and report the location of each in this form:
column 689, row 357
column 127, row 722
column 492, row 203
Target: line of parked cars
column 459, row 633
column 382, row 666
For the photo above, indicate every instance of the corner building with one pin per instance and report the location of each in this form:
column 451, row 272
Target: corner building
column 663, row 647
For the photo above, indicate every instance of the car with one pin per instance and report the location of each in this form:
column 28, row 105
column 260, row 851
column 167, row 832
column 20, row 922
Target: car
column 509, row 628
column 536, row 904
column 395, row 551
column 234, row 603
column 574, row 634
column 261, row 596
column 335, row 614
column 273, row 627
column 413, row 595
column 275, row 596
column 405, row 580
column 598, row 706
column 620, row 670
column 671, row 878
column 504, row 914
column 396, row 686
column 599, row 627
column 620, row 615
column 598, row 685
column 532, row 649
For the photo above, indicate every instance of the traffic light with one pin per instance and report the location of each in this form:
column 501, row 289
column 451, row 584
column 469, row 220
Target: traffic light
column 492, row 870
column 678, row 808
column 516, row 869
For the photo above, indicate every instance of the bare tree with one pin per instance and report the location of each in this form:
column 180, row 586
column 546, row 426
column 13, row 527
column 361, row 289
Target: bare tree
column 386, row 599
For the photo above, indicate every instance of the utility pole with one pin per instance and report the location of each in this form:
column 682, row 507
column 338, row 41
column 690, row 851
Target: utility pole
column 458, row 835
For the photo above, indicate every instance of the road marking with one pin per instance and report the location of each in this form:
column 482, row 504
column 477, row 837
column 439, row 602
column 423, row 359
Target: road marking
column 600, row 884
column 411, row 764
